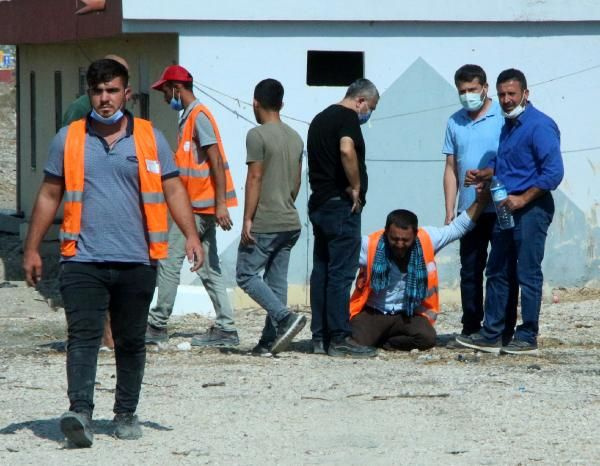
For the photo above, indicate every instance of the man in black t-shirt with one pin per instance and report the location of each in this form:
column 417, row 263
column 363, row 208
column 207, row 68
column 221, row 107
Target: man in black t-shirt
column 338, row 180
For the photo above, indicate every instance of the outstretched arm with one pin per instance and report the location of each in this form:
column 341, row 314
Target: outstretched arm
column 441, row 237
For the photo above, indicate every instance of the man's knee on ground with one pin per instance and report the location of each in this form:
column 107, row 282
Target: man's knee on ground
column 422, row 340
column 426, row 339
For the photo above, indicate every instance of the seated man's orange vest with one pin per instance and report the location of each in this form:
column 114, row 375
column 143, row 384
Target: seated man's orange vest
column 429, row 307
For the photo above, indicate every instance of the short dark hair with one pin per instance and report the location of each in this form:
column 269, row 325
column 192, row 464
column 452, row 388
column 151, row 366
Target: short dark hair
column 402, row 218
column 269, row 94
column 512, row 74
column 104, row 70
column 467, row 73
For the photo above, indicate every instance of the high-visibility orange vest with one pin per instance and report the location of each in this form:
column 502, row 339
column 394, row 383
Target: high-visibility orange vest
column 155, row 207
column 196, row 176
column 429, row 307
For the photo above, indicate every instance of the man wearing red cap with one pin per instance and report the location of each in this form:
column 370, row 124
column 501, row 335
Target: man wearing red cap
column 205, row 173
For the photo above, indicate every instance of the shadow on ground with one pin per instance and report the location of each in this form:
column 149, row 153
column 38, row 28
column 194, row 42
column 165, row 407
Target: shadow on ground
column 49, row 429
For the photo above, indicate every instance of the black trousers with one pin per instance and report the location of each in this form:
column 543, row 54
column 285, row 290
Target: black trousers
column 335, row 262
column 88, row 291
column 396, row 331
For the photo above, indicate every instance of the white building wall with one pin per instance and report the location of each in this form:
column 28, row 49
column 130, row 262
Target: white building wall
column 558, row 60
column 232, row 45
column 358, row 10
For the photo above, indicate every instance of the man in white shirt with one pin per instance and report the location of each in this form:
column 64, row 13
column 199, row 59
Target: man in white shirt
column 395, row 303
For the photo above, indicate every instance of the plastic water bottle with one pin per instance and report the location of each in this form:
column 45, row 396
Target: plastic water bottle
column 505, row 218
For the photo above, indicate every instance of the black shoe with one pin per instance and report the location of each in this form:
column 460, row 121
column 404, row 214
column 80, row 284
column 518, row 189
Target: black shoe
column 77, row 428
column 217, row 337
column 506, row 339
column 479, row 342
column 127, row 426
column 287, row 329
column 155, row 335
column 318, row 347
column 262, row 349
column 520, row 347
column 350, row 347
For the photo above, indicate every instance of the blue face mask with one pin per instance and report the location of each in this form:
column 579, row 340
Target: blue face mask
column 471, row 101
column 176, row 103
column 364, row 117
column 111, row 120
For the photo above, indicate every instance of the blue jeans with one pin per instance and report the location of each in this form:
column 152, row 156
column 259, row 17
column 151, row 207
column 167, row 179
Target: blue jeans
column 335, row 262
column 271, row 253
column 473, row 257
column 88, row 290
column 522, row 245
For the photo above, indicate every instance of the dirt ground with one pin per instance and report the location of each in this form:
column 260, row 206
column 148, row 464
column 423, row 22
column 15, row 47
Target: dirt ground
column 209, row 406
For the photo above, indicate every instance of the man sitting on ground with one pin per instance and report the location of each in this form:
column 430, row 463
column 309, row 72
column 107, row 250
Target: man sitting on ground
column 395, row 303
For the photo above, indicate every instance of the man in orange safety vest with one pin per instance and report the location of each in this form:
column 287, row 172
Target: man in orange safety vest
column 395, row 303
column 204, row 170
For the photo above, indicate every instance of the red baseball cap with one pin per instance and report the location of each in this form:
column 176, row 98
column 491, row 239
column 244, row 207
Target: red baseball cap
column 173, row 73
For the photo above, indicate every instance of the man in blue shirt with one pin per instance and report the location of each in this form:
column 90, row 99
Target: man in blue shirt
column 471, row 141
column 529, row 164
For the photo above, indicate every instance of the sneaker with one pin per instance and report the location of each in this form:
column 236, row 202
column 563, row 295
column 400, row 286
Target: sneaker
column 127, row 426
column 318, row 347
column 262, row 349
column 478, row 342
column 520, row 347
column 77, row 428
column 217, row 337
column 287, row 329
column 155, row 335
column 350, row 347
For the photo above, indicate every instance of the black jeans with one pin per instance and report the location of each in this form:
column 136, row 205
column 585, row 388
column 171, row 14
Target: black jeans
column 335, row 262
column 473, row 258
column 88, row 290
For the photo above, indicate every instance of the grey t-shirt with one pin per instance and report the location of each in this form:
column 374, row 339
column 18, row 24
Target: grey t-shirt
column 112, row 224
column 279, row 148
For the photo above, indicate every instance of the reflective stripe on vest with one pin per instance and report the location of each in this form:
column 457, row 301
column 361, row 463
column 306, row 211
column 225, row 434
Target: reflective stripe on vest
column 428, row 308
column 196, row 176
column 153, row 200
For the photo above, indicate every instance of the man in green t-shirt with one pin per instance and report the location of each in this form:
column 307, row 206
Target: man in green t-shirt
column 271, row 223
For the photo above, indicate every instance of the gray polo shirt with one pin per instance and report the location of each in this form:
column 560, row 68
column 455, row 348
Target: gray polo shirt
column 112, row 223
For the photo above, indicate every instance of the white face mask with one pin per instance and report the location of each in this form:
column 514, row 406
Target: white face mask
column 472, row 101
column 515, row 112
